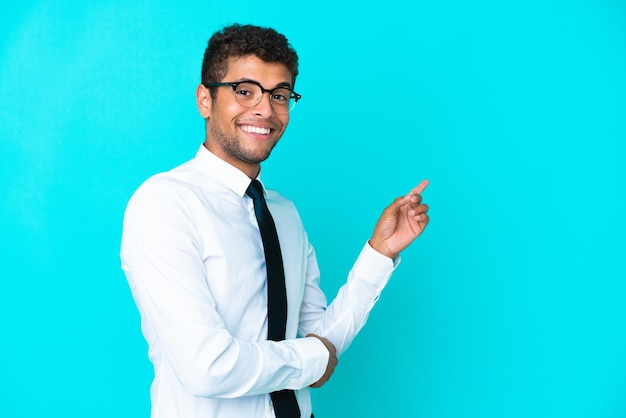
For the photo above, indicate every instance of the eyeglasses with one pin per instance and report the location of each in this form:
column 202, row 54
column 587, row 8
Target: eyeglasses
column 249, row 94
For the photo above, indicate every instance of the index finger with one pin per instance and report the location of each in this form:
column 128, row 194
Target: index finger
column 419, row 188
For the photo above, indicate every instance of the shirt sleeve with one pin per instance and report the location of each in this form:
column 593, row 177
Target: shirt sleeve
column 166, row 274
column 342, row 320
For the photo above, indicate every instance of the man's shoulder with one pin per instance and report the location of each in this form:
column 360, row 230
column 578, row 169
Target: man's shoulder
column 185, row 176
column 176, row 184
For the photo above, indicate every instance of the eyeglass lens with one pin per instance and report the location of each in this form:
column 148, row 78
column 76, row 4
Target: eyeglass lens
column 249, row 95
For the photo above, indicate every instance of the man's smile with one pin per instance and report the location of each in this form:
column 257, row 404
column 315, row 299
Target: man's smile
column 255, row 129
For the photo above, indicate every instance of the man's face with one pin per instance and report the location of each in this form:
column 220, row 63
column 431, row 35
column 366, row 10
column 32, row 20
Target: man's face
column 239, row 135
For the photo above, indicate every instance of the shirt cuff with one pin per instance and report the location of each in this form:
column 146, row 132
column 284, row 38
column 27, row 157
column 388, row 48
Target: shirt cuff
column 374, row 267
column 316, row 355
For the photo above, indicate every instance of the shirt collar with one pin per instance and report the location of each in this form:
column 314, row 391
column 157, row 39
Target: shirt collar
column 230, row 176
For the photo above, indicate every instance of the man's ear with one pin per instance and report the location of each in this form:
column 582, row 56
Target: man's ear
column 203, row 101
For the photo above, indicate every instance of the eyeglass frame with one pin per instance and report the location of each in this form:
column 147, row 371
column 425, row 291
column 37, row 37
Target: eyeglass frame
column 234, row 84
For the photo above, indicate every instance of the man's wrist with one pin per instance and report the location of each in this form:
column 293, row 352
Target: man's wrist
column 382, row 249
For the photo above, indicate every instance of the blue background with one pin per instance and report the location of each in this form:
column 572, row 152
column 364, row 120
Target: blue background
column 510, row 305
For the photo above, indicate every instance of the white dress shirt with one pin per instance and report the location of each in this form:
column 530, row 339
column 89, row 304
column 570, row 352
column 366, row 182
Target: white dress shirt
column 193, row 257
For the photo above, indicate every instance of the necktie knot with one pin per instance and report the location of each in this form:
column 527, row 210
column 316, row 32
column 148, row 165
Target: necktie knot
column 255, row 190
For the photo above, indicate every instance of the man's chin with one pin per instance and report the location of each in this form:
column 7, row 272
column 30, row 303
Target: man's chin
column 255, row 158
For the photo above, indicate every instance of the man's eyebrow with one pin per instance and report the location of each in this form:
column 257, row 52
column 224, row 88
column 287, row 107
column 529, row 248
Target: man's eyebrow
column 282, row 84
column 244, row 79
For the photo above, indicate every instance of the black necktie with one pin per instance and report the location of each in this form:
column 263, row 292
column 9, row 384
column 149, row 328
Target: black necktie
column 285, row 403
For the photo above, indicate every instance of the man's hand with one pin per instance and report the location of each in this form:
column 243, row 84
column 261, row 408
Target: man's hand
column 401, row 222
column 332, row 361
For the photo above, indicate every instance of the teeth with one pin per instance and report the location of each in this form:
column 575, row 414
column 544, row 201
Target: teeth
column 255, row 129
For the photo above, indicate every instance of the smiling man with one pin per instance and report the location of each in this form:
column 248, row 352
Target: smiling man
column 238, row 135
column 221, row 269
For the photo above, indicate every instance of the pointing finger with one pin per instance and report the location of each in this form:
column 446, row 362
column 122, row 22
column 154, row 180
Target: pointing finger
column 418, row 190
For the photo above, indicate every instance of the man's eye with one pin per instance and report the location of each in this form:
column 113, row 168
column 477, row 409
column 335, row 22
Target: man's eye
column 243, row 92
column 281, row 96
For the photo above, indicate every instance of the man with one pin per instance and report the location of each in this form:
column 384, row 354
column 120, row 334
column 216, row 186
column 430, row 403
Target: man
column 197, row 256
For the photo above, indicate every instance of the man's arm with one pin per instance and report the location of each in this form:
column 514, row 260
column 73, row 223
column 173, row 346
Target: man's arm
column 163, row 263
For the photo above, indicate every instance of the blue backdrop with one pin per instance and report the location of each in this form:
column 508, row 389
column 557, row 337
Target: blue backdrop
column 510, row 305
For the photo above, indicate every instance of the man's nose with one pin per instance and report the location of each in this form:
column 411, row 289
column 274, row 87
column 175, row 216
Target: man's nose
column 264, row 107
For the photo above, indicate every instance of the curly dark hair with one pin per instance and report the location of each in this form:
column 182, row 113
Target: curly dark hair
column 237, row 41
